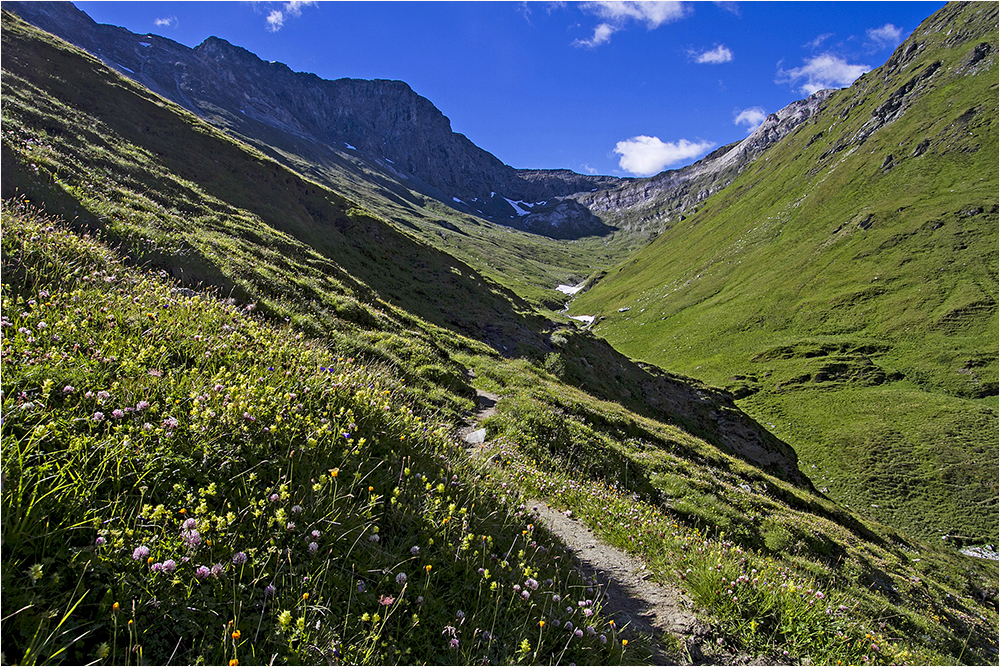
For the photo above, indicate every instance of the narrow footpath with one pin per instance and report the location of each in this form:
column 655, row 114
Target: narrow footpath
column 645, row 607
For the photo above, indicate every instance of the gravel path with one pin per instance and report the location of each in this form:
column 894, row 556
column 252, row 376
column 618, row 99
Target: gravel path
column 629, row 596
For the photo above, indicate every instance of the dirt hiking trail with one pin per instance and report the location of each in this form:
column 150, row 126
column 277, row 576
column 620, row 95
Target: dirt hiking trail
column 637, row 604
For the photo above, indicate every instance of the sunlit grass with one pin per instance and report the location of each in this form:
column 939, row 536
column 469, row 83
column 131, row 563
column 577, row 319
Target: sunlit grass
column 300, row 417
column 184, row 480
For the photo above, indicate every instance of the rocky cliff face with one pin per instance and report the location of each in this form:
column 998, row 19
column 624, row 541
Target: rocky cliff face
column 651, row 204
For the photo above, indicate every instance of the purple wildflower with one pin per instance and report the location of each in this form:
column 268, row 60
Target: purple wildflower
column 401, row 578
column 140, row 552
column 313, row 547
column 239, row 558
column 169, row 565
column 202, row 572
column 100, row 542
column 98, row 416
column 268, row 591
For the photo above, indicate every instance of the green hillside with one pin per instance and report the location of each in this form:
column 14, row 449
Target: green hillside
column 845, row 287
column 232, row 400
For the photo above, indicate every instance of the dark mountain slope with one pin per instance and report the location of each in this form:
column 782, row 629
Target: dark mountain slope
column 845, row 285
column 383, row 120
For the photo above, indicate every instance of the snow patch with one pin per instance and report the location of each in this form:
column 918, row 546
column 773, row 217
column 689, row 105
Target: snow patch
column 517, row 209
column 568, row 289
column 518, row 204
column 586, row 319
column 124, row 68
column 145, row 44
column 388, row 160
column 350, row 146
column 458, row 200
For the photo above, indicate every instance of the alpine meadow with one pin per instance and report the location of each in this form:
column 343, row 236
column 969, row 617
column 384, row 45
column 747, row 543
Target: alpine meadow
column 287, row 378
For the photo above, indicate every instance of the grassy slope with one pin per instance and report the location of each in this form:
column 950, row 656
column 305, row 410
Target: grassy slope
column 253, row 229
column 918, row 603
column 853, row 303
column 332, row 522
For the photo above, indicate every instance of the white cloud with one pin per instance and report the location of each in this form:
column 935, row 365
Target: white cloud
column 821, row 72
column 887, row 35
column 166, row 22
column 645, row 156
column 617, row 15
column 751, row 118
column 720, row 54
column 816, row 43
column 731, row 7
column 275, row 20
column 292, row 9
column 602, row 35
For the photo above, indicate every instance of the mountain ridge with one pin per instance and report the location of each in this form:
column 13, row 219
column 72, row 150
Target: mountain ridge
column 388, row 122
column 383, row 119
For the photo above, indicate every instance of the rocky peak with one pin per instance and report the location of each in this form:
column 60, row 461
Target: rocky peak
column 383, row 121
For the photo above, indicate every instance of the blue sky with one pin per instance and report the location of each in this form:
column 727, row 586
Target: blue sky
column 623, row 88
